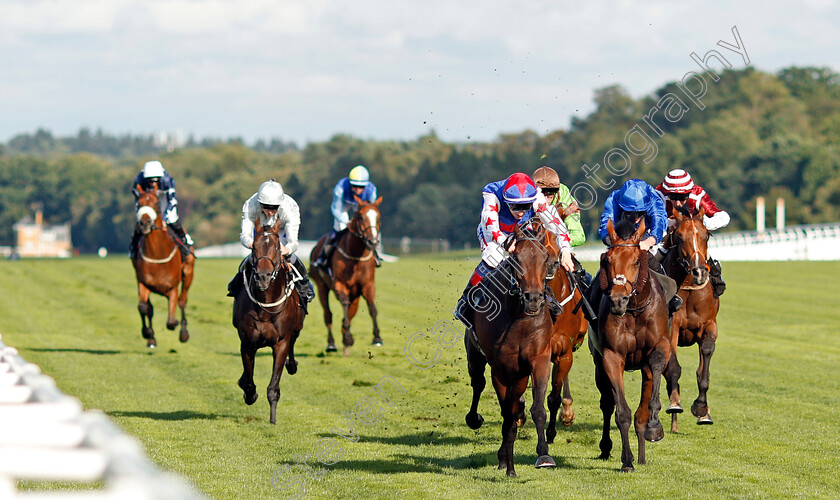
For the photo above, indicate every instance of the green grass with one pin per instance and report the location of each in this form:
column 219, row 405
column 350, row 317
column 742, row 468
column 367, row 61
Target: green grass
column 774, row 390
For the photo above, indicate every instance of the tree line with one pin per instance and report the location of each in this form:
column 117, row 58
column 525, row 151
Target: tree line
column 759, row 134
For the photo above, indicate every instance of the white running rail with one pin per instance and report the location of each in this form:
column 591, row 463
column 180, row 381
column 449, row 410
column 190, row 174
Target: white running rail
column 45, row 435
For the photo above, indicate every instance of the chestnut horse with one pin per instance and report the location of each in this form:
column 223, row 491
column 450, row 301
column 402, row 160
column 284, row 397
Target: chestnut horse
column 159, row 269
column 632, row 334
column 353, row 272
column 267, row 313
column 512, row 333
column 569, row 331
column 696, row 321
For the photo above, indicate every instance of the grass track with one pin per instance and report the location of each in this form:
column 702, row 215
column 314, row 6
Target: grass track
column 774, row 390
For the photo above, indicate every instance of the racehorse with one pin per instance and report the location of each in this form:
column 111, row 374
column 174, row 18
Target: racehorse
column 569, row 331
column 514, row 338
column 696, row 321
column 159, row 268
column 353, row 272
column 632, row 334
column 267, row 313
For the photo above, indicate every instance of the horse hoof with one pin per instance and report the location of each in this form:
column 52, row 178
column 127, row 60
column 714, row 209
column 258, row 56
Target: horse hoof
column 520, row 421
column 147, row 333
column 291, row 368
column 474, row 420
column 674, row 408
column 185, row 336
column 377, row 341
column 605, row 455
column 151, row 343
column 628, row 468
column 331, row 348
column 705, row 420
column 511, row 474
column 655, row 434
column 250, row 398
column 172, row 325
column 545, row 461
column 699, row 410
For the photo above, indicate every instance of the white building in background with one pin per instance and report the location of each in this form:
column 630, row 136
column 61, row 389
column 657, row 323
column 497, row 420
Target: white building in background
column 169, row 140
column 34, row 239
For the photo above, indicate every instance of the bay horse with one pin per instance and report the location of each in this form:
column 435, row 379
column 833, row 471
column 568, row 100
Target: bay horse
column 353, row 272
column 696, row 321
column 159, row 268
column 267, row 313
column 632, row 334
column 515, row 340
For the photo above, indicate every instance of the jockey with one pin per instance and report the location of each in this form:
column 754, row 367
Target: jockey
column 343, row 207
column 558, row 194
column 507, row 203
column 634, row 201
column 154, row 177
column 679, row 190
column 265, row 207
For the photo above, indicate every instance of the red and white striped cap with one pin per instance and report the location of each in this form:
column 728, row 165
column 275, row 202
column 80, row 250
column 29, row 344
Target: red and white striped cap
column 678, row 181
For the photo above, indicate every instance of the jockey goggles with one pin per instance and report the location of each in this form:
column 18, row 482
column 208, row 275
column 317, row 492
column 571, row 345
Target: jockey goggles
column 678, row 196
column 519, row 207
column 151, row 180
column 549, row 192
column 269, row 207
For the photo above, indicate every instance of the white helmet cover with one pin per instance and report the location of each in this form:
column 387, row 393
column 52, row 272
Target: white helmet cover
column 152, row 169
column 270, row 193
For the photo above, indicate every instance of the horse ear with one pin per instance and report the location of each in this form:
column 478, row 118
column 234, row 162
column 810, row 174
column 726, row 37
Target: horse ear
column 602, row 280
column 377, row 202
column 676, row 214
column 358, row 200
column 702, row 212
column 140, row 188
column 611, row 231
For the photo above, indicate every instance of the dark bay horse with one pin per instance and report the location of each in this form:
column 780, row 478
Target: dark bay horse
column 353, row 272
column 696, row 322
column 569, row 331
column 159, row 268
column 632, row 334
column 513, row 335
column 267, row 313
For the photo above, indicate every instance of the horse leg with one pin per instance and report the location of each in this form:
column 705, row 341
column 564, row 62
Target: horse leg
column 607, row 405
column 281, row 350
column 568, row 413
column 700, row 408
column 673, row 371
column 144, row 306
column 171, row 322
column 186, row 281
column 346, row 336
column 613, row 364
column 539, row 376
column 510, row 405
column 291, row 364
column 246, row 381
column 650, row 393
column 324, row 299
column 369, row 293
column 476, row 362
column 554, row 401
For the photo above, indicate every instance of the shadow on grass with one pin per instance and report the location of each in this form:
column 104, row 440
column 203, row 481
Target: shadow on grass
column 171, row 415
column 85, row 351
column 411, row 439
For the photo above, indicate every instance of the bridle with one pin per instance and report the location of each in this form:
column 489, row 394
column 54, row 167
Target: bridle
column 153, row 214
column 275, row 266
column 676, row 239
column 360, row 227
column 515, row 287
column 621, row 280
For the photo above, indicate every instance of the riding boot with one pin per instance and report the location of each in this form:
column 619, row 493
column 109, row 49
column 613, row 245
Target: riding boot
column 718, row 285
column 135, row 240
column 184, row 240
column 553, row 304
column 581, row 276
column 304, row 287
column 377, row 259
column 326, row 251
column 236, row 283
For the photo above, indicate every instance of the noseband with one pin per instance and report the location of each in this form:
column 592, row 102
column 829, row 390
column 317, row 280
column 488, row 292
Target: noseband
column 515, row 287
column 684, row 262
column 621, row 280
column 275, row 266
column 360, row 229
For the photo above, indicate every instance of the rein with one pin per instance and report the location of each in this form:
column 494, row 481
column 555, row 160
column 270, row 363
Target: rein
column 157, row 261
column 287, row 293
column 621, row 280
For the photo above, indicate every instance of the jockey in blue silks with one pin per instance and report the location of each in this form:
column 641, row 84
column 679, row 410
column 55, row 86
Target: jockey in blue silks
column 344, row 206
column 637, row 200
column 508, row 203
column 154, row 177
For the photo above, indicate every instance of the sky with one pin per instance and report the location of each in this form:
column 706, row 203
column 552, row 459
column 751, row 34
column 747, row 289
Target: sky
column 305, row 70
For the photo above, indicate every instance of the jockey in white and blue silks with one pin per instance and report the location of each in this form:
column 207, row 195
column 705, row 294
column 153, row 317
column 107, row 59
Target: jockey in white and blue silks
column 344, row 206
column 154, row 177
column 508, row 203
column 634, row 201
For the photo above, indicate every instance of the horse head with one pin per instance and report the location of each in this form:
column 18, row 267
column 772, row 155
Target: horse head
column 148, row 212
column 690, row 239
column 624, row 268
column 266, row 254
column 366, row 222
column 532, row 256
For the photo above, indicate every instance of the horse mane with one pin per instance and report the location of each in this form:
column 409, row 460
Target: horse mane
column 683, row 210
column 626, row 226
